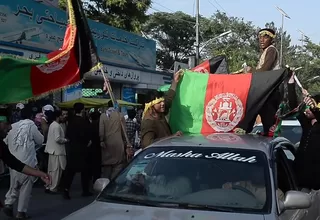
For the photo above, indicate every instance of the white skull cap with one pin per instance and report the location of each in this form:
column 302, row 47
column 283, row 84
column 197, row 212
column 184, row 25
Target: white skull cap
column 48, row 108
column 20, row 106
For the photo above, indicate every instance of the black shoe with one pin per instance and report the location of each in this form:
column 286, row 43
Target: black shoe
column 87, row 194
column 22, row 215
column 48, row 191
column 8, row 210
column 66, row 195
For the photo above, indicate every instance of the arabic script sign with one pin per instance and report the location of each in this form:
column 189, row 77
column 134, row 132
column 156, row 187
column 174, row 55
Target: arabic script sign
column 23, row 53
column 116, row 74
column 39, row 26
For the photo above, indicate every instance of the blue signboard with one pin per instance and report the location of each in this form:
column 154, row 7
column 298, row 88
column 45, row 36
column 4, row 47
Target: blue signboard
column 25, row 22
column 74, row 89
column 129, row 94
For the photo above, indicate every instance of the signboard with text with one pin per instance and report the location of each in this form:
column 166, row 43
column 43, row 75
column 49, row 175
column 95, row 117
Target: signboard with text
column 116, row 74
column 36, row 25
column 129, row 94
column 72, row 93
column 113, row 73
column 23, row 53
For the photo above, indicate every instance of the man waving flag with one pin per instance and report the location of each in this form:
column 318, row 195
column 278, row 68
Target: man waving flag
column 23, row 79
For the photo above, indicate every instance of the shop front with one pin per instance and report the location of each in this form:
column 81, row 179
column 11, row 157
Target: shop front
column 128, row 83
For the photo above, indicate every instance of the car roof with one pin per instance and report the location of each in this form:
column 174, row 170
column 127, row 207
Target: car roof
column 220, row 140
column 286, row 123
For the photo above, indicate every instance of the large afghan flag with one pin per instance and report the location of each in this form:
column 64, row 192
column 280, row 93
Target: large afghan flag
column 22, row 79
column 210, row 103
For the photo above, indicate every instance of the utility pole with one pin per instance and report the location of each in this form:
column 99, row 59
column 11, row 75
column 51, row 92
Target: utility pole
column 281, row 41
column 283, row 15
column 302, row 38
column 197, row 31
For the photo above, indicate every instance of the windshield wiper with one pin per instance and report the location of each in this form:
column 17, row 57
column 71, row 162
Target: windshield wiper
column 205, row 207
column 166, row 204
column 130, row 200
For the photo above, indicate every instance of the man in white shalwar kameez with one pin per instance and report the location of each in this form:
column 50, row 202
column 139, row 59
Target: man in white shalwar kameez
column 22, row 141
column 57, row 152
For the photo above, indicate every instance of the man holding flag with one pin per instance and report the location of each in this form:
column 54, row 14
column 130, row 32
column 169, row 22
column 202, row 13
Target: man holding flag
column 306, row 163
column 154, row 125
column 269, row 60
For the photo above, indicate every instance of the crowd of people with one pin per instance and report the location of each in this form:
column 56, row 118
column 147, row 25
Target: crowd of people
column 89, row 142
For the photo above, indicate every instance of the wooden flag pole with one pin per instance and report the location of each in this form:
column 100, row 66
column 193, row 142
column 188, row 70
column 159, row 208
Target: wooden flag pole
column 115, row 104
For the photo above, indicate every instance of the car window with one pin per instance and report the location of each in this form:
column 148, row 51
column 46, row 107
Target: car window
column 284, row 178
column 219, row 177
column 292, row 133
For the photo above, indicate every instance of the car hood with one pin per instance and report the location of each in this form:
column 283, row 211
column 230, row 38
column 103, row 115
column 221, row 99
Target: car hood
column 113, row 211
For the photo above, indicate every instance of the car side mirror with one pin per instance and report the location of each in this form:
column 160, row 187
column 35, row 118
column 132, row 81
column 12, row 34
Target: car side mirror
column 295, row 200
column 100, row 184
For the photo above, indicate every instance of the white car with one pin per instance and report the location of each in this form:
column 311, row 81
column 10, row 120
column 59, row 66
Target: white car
column 219, row 176
column 291, row 129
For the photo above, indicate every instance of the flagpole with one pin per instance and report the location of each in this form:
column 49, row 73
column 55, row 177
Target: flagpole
column 115, row 103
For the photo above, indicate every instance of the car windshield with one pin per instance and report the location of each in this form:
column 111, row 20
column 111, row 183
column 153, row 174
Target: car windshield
column 292, row 133
column 220, row 178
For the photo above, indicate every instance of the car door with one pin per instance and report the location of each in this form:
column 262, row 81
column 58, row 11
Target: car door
column 313, row 212
column 284, row 182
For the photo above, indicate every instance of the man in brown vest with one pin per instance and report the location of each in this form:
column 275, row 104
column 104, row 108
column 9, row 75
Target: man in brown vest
column 269, row 59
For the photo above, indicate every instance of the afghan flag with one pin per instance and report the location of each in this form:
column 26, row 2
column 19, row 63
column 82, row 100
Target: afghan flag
column 216, row 64
column 22, row 79
column 211, row 103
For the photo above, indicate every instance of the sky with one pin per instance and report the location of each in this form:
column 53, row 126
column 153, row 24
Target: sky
column 305, row 15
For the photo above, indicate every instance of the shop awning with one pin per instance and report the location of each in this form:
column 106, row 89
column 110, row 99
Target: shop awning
column 94, row 103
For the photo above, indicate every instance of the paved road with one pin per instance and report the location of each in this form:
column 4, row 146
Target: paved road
column 51, row 207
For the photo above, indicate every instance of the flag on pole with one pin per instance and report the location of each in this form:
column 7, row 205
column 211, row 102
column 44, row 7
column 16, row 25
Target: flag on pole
column 22, row 79
column 210, row 103
column 216, row 64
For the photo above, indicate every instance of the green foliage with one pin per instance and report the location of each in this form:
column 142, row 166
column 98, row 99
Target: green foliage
column 175, row 35
column 63, row 4
column 124, row 14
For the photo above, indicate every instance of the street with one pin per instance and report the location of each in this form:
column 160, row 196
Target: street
column 50, row 207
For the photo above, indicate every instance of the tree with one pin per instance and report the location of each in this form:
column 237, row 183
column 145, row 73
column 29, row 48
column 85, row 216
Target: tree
column 308, row 57
column 240, row 46
column 124, row 14
column 174, row 34
column 63, row 4
column 289, row 51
